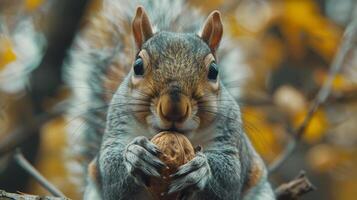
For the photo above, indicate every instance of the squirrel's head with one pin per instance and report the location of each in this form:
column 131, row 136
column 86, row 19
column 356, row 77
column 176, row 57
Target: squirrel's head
column 174, row 77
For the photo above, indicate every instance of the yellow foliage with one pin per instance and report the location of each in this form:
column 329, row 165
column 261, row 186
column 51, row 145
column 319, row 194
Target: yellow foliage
column 7, row 54
column 344, row 189
column 261, row 133
column 33, row 4
column 303, row 17
column 316, row 128
column 338, row 84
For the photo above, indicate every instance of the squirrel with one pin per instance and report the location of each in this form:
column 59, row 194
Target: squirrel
column 168, row 79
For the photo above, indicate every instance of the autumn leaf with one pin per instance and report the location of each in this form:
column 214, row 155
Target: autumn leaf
column 7, row 53
column 32, row 4
column 316, row 128
column 339, row 82
column 304, row 26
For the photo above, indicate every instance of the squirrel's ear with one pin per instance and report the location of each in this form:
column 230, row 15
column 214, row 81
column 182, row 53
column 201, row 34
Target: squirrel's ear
column 141, row 27
column 213, row 30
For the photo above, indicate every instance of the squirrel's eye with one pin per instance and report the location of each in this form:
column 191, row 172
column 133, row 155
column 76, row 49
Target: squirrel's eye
column 139, row 67
column 212, row 71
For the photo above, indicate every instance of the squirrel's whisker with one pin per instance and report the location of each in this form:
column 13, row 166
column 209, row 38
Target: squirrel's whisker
column 216, row 113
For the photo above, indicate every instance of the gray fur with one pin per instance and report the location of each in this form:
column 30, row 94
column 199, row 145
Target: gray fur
column 125, row 157
column 86, row 66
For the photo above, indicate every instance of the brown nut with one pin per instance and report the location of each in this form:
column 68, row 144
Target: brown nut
column 177, row 150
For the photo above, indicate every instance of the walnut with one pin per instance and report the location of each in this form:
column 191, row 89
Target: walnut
column 177, row 150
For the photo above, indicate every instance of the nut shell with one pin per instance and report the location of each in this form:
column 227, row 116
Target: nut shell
column 177, row 150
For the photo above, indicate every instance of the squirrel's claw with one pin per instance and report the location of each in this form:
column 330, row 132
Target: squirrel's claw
column 195, row 173
column 140, row 159
column 147, row 144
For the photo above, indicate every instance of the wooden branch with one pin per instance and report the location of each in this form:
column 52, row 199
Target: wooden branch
column 294, row 189
column 11, row 196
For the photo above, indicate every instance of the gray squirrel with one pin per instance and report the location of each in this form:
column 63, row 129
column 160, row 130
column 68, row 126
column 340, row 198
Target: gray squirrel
column 168, row 79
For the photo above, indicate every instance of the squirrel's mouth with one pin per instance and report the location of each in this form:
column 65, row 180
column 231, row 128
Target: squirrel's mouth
column 173, row 128
column 181, row 127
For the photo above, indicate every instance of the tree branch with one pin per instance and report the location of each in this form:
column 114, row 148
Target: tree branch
column 10, row 196
column 295, row 188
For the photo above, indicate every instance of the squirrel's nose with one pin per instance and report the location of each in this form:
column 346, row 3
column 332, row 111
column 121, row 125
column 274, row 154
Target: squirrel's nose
column 174, row 108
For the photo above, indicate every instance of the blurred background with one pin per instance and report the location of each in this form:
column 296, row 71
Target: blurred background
column 284, row 52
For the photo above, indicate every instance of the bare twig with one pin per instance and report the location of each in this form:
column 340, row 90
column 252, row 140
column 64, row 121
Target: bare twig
column 295, row 188
column 337, row 63
column 10, row 196
column 21, row 161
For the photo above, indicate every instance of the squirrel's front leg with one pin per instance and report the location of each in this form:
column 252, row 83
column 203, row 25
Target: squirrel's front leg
column 210, row 175
column 124, row 168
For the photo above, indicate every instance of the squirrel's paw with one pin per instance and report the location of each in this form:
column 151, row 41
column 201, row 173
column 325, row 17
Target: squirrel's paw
column 140, row 159
column 194, row 174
